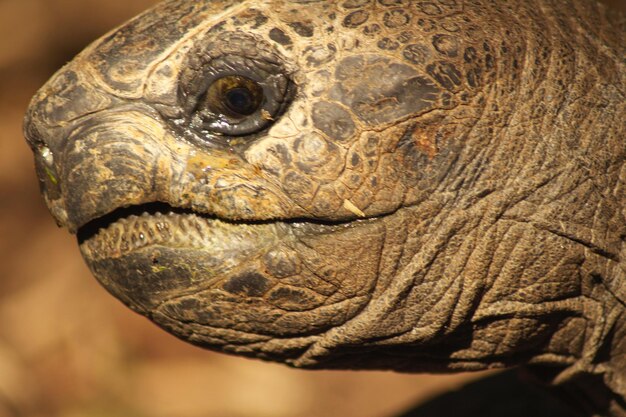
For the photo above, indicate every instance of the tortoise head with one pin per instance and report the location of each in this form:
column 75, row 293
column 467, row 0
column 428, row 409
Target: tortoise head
column 344, row 184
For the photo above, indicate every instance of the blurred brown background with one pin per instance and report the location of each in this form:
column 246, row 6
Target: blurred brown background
column 69, row 349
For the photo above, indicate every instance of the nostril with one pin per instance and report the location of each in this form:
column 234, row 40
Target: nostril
column 46, row 155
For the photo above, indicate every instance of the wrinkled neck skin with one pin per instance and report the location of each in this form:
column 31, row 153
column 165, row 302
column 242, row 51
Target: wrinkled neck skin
column 494, row 203
column 513, row 261
column 495, row 272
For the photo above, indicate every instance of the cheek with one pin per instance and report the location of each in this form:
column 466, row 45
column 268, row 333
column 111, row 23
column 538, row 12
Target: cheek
column 147, row 260
column 318, row 158
column 295, row 289
column 333, row 121
column 334, row 171
column 302, row 166
column 364, row 177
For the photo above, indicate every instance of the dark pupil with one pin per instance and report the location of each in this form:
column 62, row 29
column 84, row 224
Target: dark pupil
column 241, row 101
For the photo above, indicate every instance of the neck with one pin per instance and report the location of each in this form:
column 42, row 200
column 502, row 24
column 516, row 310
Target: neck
column 596, row 384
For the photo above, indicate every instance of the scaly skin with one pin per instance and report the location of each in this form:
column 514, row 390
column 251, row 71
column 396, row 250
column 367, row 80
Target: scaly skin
column 436, row 186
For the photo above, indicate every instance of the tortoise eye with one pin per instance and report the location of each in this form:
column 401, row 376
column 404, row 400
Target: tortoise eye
column 233, row 96
column 242, row 101
column 230, row 95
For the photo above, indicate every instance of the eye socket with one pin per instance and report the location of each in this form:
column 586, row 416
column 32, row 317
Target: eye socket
column 226, row 94
column 238, row 105
column 233, row 96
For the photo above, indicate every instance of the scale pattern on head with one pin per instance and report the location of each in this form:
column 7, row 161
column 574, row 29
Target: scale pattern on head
column 415, row 185
column 351, row 79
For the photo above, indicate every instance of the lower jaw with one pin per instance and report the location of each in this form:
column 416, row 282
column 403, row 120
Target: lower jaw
column 266, row 347
column 149, row 259
column 145, row 259
column 132, row 228
column 196, row 297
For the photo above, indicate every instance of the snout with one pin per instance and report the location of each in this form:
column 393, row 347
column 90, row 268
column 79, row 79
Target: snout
column 93, row 152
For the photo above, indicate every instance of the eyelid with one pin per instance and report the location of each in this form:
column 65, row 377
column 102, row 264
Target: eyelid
column 218, row 57
column 274, row 88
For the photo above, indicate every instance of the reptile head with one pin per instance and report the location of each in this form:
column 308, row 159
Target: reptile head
column 389, row 184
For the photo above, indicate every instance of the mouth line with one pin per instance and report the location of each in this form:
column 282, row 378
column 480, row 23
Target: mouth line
column 93, row 227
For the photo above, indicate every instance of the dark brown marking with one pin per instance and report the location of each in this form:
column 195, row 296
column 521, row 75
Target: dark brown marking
column 416, row 53
column 396, row 18
column 446, row 45
column 445, row 74
column 277, row 35
column 249, row 284
column 387, row 44
column 356, row 19
column 304, row 29
column 333, row 120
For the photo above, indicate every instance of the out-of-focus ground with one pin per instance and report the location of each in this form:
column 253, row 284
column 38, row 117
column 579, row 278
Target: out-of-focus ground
column 67, row 348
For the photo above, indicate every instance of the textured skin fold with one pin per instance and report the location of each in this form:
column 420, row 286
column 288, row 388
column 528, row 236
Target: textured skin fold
column 442, row 187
